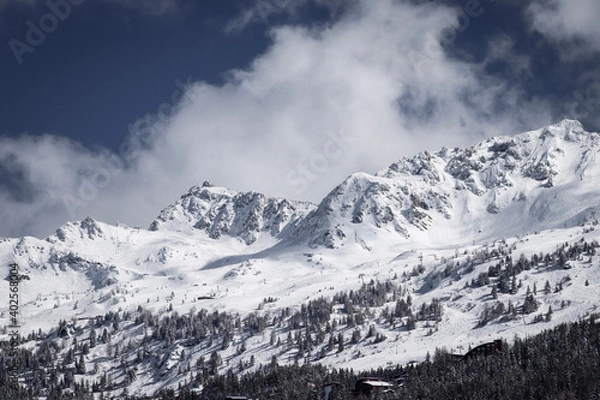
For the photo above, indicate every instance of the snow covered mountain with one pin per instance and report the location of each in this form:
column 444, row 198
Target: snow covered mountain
column 469, row 229
column 218, row 212
column 504, row 186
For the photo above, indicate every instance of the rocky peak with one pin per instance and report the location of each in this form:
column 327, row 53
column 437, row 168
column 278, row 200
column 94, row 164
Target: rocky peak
column 471, row 184
column 220, row 212
column 89, row 228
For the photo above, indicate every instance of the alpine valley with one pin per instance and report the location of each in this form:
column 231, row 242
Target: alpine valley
column 441, row 250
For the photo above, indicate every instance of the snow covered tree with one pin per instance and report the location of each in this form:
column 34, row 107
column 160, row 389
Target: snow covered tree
column 530, row 304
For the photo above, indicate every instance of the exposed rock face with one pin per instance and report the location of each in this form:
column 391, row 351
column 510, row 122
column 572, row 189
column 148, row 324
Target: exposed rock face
column 462, row 186
column 219, row 212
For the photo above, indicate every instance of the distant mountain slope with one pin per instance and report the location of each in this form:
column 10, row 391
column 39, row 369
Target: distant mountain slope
column 504, row 186
column 439, row 249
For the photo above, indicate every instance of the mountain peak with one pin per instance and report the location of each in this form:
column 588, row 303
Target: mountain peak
column 88, row 228
column 503, row 185
column 220, row 212
column 569, row 124
column 567, row 129
column 446, row 227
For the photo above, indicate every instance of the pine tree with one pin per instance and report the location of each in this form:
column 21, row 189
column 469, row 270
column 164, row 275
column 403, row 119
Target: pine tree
column 530, row 304
column 340, row 342
column 549, row 314
column 331, row 342
column 93, row 338
column 355, row 336
column 411, row 323
column 214, row 362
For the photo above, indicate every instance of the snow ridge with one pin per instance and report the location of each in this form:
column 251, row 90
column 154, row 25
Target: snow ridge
column 483, row 185
column 442, row 226
column 219, row 212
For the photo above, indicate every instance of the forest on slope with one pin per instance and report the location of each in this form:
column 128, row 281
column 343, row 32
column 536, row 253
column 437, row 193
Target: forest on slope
column 562, row 363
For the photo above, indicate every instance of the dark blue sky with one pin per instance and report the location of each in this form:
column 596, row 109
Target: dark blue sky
column 105, row 66
column 110, row 63
column 102, row 69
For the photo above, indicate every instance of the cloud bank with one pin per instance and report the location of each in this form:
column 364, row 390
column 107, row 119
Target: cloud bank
column 571, row 24
column 321, row 103
column 265, row 11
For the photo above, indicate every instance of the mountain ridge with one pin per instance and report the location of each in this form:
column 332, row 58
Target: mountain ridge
column 408, row 196
column 435, row 232
column 401, row 197
column 414, row 194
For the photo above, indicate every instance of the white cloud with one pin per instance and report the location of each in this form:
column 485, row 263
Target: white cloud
column 568, row 21
column 501, row 48
column 320, row 104
column 36, row 172
column 264, row 11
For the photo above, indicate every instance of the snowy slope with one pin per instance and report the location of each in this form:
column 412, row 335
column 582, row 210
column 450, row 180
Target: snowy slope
column 431, row 224
column 504, row 186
